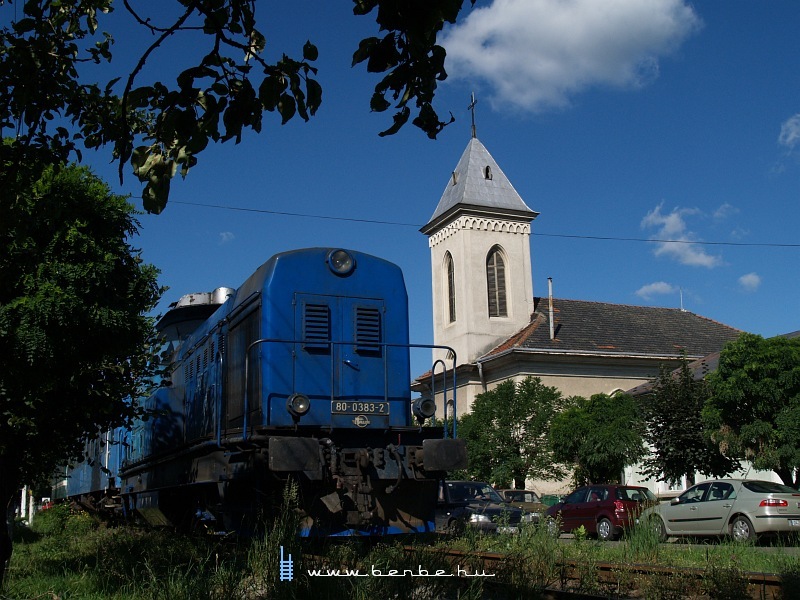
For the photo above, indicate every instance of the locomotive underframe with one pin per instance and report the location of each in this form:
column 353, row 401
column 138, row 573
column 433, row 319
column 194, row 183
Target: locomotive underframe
column 342, row 490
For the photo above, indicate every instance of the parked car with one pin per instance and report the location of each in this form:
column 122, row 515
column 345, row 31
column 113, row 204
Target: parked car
column 527, row 500
column 474, row 504
column 741, row 508
column 603, row 510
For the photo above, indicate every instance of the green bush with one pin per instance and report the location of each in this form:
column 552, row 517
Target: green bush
column 51, row 522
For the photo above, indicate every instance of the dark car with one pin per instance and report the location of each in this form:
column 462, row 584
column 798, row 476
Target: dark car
column 604, row 510
column 474, row 504
column 526, row 500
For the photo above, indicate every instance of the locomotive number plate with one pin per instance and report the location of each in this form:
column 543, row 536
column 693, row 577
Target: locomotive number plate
column 342, row 407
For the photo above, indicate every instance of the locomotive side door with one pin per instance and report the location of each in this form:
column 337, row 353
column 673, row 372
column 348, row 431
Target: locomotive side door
column 341, row 360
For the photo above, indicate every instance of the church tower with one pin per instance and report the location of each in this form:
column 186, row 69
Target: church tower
column 479, row 237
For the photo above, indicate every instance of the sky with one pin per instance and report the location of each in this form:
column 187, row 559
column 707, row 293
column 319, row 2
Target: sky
column 624, row 123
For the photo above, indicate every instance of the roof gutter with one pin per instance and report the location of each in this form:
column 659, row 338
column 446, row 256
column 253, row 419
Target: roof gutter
column 592, row 353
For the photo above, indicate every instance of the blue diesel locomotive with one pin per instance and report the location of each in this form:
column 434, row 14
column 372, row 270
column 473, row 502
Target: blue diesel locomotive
column 301, row 374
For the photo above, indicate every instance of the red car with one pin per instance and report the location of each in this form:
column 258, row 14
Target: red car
column 605, row 510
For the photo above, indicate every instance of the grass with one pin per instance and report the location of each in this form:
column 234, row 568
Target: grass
column 67, row 556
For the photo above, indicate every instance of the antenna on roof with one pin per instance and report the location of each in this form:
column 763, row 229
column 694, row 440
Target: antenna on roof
column 471, row 108
column 680, row 289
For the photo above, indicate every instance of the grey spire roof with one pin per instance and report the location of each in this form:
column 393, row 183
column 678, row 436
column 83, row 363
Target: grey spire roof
column 478, row 183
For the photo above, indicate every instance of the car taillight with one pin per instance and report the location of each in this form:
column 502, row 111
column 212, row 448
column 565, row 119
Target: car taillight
column 773, row 502
column 619, row 506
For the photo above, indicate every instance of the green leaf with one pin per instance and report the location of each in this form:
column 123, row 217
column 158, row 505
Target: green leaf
column 378, row 103
column 139, row 156
column 363, row 7
column 269, row 92
column 287, row 108
column 364, row 50
column 310, row 51
column 257, row 42
column 219, row 88
column 156, row 193
column 140, row 97
column 314, row 97
column 400, row 119
column 383, row 55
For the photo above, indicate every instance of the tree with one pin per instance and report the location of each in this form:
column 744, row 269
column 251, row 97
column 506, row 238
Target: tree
column 506, row 433
column 600, row 436
column 160, row 128
column 675, row 430
column 753, row 411
column 74, row 341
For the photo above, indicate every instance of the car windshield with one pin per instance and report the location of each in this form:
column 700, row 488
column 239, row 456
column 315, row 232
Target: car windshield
column 521, row 496
column 469, row 491
column 636, row 494
column 768, row 487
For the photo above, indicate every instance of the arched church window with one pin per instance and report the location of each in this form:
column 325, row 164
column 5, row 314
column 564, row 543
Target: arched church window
column 496, row 283
column 451, row 288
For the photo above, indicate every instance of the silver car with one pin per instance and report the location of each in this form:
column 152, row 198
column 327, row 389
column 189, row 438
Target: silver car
column 741, row 508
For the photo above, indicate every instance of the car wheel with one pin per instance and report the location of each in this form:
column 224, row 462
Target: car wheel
column 455, row 527
column 742, row 529
column 605, row 530
column 657, row 525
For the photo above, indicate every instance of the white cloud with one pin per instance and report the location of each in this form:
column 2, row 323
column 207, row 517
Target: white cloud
column 682, row 245
column 724, row 211
column 739, row 233
column 790, row 132
column 536, row 54
column 659, row 288
column 225, row 237
column 750, row 282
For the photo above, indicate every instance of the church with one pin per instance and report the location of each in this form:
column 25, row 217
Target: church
column 492, row 326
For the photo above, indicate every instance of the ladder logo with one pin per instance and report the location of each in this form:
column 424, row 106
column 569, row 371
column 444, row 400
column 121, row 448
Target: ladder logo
column 286, row 567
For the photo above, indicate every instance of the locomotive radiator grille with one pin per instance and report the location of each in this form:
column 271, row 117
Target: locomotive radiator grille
column 316, row 326
column 368, row 330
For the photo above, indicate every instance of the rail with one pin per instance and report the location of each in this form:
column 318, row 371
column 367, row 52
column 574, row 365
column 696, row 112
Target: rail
column 763, row 586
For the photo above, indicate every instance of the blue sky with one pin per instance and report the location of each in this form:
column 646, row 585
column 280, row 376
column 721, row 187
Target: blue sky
column 626, row 119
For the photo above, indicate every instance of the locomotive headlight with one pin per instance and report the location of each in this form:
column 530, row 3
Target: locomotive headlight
column 341, row 262
column 298, row 405
column 423, row 408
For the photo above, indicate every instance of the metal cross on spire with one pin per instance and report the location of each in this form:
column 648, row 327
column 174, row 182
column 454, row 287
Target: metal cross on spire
column 471, row 108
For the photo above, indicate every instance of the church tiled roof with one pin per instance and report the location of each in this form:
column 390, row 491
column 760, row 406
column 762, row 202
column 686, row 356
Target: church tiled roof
column 601, row 328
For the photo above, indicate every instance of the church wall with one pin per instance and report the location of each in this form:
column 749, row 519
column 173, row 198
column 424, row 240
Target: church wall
column 580, row 376
column 468, row 239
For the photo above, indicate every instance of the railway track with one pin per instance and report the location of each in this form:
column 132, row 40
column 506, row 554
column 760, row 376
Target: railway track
column 505, row 576
column 613, row 580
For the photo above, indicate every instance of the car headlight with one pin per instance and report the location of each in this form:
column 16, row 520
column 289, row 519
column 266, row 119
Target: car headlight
column 476, row 518
column 531, row 517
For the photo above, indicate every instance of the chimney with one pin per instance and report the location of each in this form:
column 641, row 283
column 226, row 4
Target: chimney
column 550, row 295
